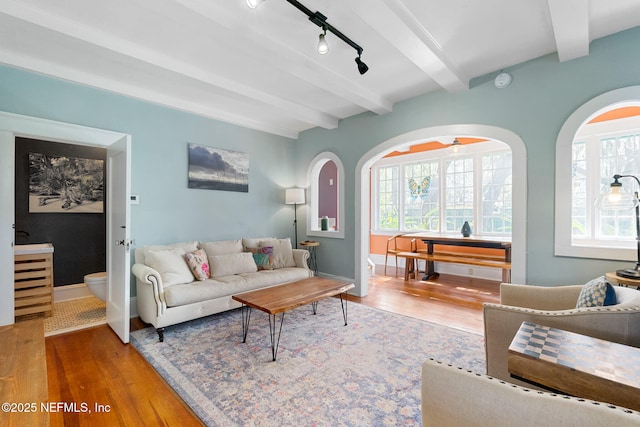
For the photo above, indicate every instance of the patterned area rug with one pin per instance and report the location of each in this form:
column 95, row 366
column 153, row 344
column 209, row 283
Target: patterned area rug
column 326, row 374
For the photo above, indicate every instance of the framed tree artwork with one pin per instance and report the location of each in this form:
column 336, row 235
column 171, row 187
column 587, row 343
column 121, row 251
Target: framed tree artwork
column 59, row 184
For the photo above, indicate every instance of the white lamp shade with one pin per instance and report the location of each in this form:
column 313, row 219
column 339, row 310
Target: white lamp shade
column 294, row 196
column 616, row 198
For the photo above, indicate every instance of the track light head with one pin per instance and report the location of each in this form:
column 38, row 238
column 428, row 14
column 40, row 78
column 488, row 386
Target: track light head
column 254, row 3
column 362, row 67
column 323, row 46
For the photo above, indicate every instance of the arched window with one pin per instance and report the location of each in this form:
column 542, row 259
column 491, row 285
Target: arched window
column 326, row 196
column 599, row 140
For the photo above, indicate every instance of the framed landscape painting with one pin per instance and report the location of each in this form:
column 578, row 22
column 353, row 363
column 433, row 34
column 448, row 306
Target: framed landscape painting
column 59, row 184
column 218, row 169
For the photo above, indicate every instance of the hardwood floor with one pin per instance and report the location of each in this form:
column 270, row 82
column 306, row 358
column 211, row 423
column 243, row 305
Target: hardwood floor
column 453, row 301
column 93, row 367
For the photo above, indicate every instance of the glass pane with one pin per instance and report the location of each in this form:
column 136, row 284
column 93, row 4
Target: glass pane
column 421, row 201
column 579, row 186
column 619, row 155
column 387, row 215
column 459, row 201
column 496, row 193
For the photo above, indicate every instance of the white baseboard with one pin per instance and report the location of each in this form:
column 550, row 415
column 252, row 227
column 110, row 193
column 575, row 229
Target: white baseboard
column 133, row 307
column 70, row 292
column 487, row 273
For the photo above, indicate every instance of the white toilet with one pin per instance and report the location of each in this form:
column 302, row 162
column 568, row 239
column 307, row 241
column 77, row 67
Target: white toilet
column 97, row 284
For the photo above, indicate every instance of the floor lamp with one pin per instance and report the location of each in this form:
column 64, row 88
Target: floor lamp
column 295, row 197
column 616, row 199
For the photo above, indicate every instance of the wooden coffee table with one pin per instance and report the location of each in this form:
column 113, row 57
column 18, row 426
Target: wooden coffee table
column 282, row 298
column 576, row 364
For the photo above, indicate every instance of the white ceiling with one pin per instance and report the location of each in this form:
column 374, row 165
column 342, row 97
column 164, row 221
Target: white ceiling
column 259, row 67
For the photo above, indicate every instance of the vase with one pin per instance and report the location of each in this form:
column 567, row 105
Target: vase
column 324, row 223
column 466, row 229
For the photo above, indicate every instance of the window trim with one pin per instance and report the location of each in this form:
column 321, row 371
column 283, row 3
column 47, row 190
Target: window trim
column 477, row 150
column 313, row 173
column 564, row 245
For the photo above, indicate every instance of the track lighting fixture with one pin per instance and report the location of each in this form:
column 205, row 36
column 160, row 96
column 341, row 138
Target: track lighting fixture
column 362, row 67
column 321, row 21
column 323, row 46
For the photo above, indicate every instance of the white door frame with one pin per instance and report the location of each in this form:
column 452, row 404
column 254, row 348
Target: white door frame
column 12, row 125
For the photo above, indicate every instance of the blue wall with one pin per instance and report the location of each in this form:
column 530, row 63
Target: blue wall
column 541, row 97
column 168, row 211
column 543, row 94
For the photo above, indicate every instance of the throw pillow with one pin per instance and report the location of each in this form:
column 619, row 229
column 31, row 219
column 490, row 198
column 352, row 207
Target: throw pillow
column 185, row 246
column 171, row 265
column 199, row 264
column 263, row 257
column 282, row 252
column 222, row 247
column 596, row 293
column 230, row 264
column 254, row 242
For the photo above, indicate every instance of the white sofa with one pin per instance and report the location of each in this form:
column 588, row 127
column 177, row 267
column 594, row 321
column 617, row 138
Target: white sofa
column 455, row 397
column 169, row 293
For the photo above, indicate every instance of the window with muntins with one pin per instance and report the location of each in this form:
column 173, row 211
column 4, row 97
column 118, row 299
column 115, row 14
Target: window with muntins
column 601, row 150
column 434, row 191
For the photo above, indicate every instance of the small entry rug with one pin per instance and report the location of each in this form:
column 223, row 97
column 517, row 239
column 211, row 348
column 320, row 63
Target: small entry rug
column 367, row 373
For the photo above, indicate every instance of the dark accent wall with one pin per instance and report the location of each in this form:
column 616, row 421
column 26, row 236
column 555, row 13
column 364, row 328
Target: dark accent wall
column 79, row 239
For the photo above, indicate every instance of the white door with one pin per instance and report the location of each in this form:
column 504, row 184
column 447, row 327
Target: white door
column 6, row 227
column 118, row 237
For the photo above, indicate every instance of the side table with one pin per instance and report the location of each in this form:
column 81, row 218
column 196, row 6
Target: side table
column 622, row 281
column 576, row 364
column 311, row 246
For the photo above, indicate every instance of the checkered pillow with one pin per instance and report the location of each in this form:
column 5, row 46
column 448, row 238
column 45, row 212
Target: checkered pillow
column 596, row 293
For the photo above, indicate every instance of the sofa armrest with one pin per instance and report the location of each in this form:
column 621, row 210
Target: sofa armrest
column 151, row 279
column 501, row 322
column 540, row 297
column 300, row 256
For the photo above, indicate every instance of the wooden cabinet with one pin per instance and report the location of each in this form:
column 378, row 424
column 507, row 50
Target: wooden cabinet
column 33, row 275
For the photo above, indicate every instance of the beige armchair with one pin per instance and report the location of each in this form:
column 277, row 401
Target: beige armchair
column 555, row 307
column 456, row 397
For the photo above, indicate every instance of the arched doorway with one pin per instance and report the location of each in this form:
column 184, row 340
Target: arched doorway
column 362, row 192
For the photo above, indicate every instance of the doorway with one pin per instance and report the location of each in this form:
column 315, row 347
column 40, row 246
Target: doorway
column 117, row 207
column 363, row 194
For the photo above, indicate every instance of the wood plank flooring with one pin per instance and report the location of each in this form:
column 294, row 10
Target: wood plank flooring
column 94, row 367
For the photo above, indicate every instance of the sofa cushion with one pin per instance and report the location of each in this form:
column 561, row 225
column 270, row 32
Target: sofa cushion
column 596, row 293
column 254, row 242
column 226, row 286
column 171, row 265
column 263, row 257
column 282, row 252
column 199, row 264
column 186, row 246
column 230, row 264
column 222, row 247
